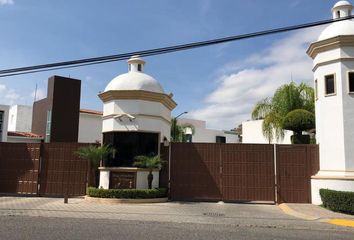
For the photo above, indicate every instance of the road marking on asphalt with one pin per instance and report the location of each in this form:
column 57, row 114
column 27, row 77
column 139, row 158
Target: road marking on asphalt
column 342, row 222
column 286, row 209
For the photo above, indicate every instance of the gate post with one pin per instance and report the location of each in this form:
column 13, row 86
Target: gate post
column 276, row 176
column 40, row 168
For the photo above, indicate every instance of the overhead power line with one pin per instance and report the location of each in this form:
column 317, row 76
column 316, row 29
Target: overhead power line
column 157, row 51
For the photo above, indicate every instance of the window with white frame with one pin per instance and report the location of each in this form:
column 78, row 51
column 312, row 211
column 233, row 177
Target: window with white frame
column 49, row 126
column 351, row 82
column 330, row 85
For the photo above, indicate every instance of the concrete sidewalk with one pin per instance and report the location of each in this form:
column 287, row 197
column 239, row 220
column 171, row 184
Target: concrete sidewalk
column 318, row 213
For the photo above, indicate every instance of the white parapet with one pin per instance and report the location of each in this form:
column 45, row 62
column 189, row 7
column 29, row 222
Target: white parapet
column 142, row 179
column 104, row 179
column 332, row 184
column 141, row 176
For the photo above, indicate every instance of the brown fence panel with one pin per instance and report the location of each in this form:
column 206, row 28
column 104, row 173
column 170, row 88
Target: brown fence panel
column 248, row 172
column 19, row 165
column 195, row 171
column 295, row 165
column 62, row 171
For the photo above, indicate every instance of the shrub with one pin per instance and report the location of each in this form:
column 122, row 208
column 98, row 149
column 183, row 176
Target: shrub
column 299, row 120
column 338, row 201
column 127, row 193
column 300, row 139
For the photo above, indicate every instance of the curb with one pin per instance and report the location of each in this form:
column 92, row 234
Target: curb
column 286, row 209
column 124, row 200
column 335, row 221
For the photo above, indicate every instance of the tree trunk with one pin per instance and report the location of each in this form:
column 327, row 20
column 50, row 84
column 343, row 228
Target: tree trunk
column 150, row 178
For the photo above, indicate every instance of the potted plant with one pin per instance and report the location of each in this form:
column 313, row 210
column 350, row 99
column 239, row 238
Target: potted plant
column 150, row 163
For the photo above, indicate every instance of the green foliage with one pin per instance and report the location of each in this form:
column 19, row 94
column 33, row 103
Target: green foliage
column 94, row 153
column 300, row 139
column 299, row 120
column 338, row 201
column 273, row 110
column 147, row 162
column 176, row 131
column 127, row 193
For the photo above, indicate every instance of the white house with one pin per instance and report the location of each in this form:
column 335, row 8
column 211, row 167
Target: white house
column 252, row 133
column 204, row 135
column 90, row 126
column 4, row 115
column 333, row 67
column 20, row 118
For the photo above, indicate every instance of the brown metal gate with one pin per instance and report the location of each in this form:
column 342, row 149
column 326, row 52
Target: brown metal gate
column 62, row 171
column 19, row 167
column 228, row 172
column 295, row 166
column 195, row 172
column 247, row 172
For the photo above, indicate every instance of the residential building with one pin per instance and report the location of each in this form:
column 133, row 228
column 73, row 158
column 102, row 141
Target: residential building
column 4, row 115
column 20, row 118
column 197, row 132
column 252, row 133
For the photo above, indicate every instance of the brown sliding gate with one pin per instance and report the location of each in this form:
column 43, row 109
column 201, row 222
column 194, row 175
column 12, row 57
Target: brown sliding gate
column 229, row 172
column 19, row 168
column 240, row 172
column 49, row 169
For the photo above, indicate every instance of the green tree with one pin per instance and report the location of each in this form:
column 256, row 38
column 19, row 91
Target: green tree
column 94, row 155
column 176, row 131
column 150, row 163
column 273, row 110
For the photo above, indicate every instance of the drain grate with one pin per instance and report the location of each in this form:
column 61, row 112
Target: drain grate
column 214, row 214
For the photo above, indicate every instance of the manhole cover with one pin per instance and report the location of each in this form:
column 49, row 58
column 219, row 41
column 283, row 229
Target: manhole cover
column 213, row 214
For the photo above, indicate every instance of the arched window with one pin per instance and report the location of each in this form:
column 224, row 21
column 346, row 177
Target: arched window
column 338, row 14
column 139, row 67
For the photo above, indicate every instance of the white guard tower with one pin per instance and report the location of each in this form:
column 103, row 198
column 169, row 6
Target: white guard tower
column 333, row 56
column 136, row 119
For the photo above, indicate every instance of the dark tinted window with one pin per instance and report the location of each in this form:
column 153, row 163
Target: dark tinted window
column 139, row 67
column 351, row 82
column 129, row 145
column 220, row 139
column 330, row 84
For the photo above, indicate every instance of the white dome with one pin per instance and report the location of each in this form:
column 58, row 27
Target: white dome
column 341, row 4
column 337, row 29
column 135, row 81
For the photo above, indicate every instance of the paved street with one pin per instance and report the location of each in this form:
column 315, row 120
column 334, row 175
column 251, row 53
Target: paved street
column 45, row 218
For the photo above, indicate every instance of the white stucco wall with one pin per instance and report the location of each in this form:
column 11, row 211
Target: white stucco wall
column 5, row 109
column 20, row 118
column 148, row 117
column 252, row 133
column 142, row 180
column 90, row 128
column 202, row 134
column 104, row 179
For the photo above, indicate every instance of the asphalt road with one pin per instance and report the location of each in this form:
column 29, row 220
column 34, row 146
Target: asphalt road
column 24, row 227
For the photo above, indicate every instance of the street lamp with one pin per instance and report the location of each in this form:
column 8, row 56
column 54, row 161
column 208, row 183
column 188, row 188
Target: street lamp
column 175, row 126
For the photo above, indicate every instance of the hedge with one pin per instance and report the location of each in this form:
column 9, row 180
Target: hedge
column 338, row 201
column 127, row 193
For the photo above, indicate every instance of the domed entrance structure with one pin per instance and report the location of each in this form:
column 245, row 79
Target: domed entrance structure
column 136, row 119
column 333, row 56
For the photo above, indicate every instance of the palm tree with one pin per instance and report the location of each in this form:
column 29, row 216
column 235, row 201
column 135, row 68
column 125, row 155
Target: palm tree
column 273, row 110
column 94, row 155
column 149, row 163
column 176, row 131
